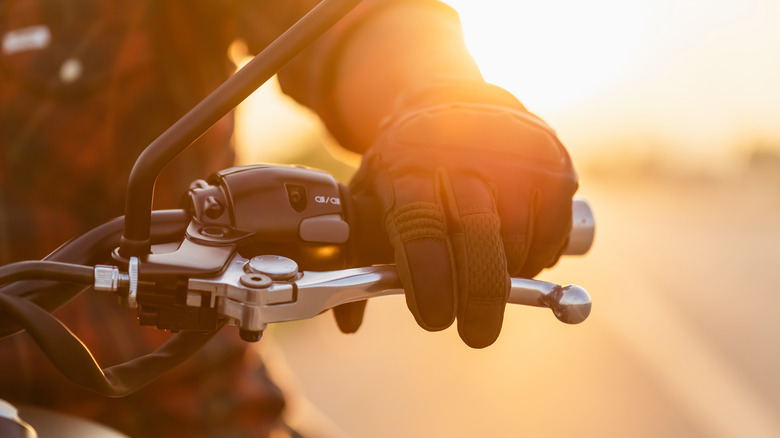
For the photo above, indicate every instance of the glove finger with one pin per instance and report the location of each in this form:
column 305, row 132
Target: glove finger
column 417, row 230
column 552, row 226
column 483, row 280
column 349, row 316
column 517, row 205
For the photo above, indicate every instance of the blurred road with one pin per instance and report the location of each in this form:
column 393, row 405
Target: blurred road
column 682, row 341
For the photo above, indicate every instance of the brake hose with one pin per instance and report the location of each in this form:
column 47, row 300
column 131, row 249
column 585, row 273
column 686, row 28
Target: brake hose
column 46, row 270
column 74, row 360
column 65, row 350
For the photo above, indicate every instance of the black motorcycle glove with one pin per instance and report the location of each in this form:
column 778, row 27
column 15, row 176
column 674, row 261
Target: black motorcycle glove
column 472, row 189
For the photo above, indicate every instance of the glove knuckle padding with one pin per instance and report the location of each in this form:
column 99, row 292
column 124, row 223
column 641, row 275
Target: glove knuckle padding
column 419, row 220
column 483, row 128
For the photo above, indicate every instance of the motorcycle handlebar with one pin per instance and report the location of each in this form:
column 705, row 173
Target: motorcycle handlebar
column 583, row 228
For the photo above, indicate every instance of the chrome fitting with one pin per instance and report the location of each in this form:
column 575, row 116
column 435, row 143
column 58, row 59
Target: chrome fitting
column 132, row 269
column 109, row 279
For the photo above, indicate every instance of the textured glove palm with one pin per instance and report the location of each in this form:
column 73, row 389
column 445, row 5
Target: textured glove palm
column 471, row 193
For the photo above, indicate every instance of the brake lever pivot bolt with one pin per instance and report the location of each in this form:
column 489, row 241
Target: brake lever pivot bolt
column 276, row 267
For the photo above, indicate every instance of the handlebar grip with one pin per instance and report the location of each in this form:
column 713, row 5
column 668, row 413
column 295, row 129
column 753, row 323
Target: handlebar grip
column 583, row 228
column 369, row 245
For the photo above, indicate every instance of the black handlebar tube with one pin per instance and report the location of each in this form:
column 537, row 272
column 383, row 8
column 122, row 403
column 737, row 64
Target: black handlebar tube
column 140, row 187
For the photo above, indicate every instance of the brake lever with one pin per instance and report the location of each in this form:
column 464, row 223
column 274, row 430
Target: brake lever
column 268, row 289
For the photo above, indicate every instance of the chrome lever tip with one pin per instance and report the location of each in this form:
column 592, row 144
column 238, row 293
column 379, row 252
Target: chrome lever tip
column 570, row 303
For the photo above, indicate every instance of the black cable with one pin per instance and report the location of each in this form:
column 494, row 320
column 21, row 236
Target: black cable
column 140, row 186
column 19, row 309
column 92, row 247
column 74, row 360
column 46, row 270
column 64, row 349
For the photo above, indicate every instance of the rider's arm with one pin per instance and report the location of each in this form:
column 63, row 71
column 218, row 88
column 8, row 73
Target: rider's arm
column 353, row 76
column 382, row 51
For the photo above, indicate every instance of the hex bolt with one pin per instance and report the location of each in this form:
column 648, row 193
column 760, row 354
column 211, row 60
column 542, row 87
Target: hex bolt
column 250, row 335
column 256, row 281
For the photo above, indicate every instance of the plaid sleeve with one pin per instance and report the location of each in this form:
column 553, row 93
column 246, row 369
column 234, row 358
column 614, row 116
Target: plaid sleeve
column 84, row 90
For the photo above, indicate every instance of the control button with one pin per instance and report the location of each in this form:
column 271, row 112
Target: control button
column 212, row 207
column 277, row 267
column 328, row 228
column 297, row 196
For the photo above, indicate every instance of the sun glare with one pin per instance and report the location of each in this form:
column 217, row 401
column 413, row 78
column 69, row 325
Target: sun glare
column 695, row 78
column 555, row 53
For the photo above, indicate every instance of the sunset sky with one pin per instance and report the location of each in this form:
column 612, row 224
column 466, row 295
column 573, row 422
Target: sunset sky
column 697, row 78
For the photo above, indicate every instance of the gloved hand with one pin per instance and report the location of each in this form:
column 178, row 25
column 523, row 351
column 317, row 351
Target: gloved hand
column 472, row 189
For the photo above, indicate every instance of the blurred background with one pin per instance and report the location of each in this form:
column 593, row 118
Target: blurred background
column 671, row 111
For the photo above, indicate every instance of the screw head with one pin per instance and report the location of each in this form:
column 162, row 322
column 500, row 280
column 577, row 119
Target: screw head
column 276, row 267
column 256, row 281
